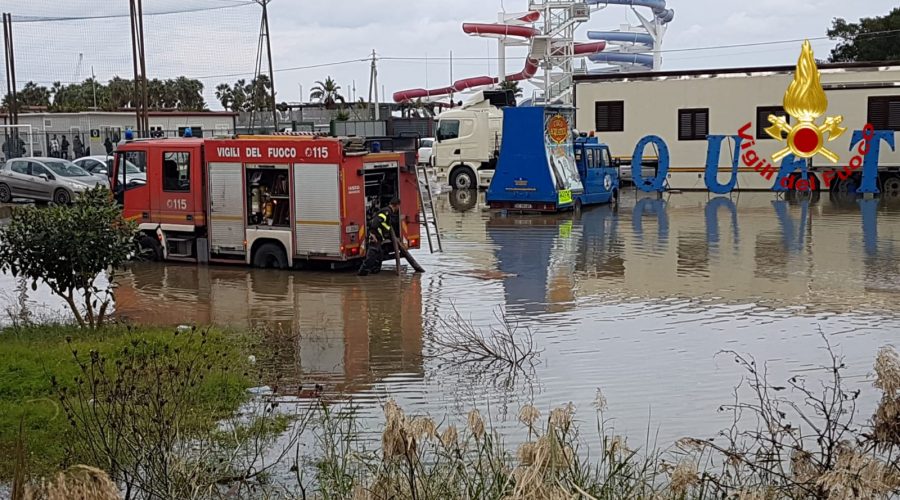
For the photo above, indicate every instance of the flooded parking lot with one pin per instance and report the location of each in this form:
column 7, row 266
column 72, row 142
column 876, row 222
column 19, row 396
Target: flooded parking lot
column 636, row 300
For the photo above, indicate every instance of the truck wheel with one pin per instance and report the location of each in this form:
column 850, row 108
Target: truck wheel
column 463, row 200
column 270, row 256
column 62, row 197
column 148, row 248
column 890, row 187
column 463, row 178
column 5, row 194
column 845, row 186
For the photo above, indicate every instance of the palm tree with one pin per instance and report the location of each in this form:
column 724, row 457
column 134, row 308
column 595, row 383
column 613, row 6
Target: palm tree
column 327, row 92
column 513, row 86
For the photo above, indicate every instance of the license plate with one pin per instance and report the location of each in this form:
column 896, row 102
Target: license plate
column 522, row 205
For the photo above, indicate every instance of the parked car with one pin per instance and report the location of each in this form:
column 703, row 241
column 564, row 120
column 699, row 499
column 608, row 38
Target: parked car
column 647, row 172
column 45, row 179
column 425, row 148
column 102, row 166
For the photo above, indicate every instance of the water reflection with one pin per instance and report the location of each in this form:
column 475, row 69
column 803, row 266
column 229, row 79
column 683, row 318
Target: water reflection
column 624, row 298
column 711, row 214
column 881, row 264
column 530, row 250
column 651, row 206
column 327, row 328
column 601, row 247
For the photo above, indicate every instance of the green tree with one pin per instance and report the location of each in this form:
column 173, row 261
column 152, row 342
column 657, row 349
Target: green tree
column 78, row 96
column 513, row 86
column 187, row 94
column 31, row 95
column 327, row 93
column 259, row 92
column 68, row 248
column 871, row 39
column 120, row 94
column 243, row 96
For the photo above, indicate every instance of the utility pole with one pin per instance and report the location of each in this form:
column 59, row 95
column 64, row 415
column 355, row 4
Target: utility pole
column 10, row 61
column 265, row 28
column 140, row 68
column 451, row 78
column 94, row 86
column 373, row 85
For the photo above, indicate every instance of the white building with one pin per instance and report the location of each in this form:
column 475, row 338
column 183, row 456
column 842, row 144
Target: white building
column 94, row 127
column 683, row 107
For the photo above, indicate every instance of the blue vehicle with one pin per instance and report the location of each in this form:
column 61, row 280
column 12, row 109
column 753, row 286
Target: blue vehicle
column 598, row 174
column 543, row 167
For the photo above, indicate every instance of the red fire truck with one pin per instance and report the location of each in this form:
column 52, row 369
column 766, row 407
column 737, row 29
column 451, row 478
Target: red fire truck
column 277, row 201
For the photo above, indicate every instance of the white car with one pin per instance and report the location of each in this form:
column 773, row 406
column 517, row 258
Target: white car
column 647, row 172
column 101, row 166
column 425, row 147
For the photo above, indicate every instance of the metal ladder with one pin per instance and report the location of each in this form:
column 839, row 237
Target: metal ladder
column 427, row 215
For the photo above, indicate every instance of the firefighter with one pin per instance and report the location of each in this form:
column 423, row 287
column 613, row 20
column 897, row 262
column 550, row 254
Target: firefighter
column 380, row 243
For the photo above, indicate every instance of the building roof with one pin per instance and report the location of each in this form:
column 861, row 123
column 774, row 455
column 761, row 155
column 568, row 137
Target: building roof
column 739, row 71
column 158, row 114
column 173, row 142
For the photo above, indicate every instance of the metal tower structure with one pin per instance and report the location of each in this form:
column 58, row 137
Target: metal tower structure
column 555, row 47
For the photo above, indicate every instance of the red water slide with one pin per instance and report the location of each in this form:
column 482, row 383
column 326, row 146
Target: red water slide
column 499, row 31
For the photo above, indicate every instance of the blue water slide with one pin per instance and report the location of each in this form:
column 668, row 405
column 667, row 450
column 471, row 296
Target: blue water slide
column 624, row 37
column 658, row 6
column 617, row 58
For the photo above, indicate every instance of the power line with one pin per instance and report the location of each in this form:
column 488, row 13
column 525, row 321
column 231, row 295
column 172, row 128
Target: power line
column 41, row 19
column 282, row 70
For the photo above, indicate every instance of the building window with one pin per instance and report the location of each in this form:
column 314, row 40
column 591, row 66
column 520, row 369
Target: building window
column 177, row 172
column 693, row 124
column 609, row 116
column 762, row 120
column 884, row 112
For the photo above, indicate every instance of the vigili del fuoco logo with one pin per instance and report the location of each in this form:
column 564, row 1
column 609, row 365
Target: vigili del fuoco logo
column 804, row 101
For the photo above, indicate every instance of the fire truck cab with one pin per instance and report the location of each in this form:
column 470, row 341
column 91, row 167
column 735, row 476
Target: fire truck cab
column 277, row 201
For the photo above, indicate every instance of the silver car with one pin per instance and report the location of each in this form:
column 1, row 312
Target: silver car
column 101, row 166
column 45, row 179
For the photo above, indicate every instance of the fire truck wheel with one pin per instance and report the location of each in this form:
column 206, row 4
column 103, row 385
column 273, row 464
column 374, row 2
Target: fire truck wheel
column 149, row 248
column 270, row 255
column 5, row 194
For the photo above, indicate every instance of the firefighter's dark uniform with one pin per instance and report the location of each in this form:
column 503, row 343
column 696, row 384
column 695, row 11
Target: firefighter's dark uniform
column 380, row 227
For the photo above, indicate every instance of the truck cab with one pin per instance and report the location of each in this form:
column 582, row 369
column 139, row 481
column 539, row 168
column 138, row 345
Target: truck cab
column 598, row 174
column 467, row 141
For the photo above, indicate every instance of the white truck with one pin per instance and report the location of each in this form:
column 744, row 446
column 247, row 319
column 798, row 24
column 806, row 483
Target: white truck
column 468, row 141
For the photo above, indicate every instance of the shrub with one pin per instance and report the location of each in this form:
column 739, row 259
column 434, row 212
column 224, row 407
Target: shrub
column 68, row 248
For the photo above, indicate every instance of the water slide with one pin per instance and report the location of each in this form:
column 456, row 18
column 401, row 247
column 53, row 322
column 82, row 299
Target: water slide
column 498, row 31
column 662, row 16
column 660, row 11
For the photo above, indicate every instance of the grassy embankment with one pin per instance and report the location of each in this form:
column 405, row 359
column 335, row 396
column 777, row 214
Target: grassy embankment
column 30, row 357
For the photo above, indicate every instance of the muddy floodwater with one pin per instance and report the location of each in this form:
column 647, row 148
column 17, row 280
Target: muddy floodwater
column 636, row 301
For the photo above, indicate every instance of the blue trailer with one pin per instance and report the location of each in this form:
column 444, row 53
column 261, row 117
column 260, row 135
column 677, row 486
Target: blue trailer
column 543, row 167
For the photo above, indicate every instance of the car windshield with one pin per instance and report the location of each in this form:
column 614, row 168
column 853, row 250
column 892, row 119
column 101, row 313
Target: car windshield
column 65, row 168
column 131, row 169
column 426, row 143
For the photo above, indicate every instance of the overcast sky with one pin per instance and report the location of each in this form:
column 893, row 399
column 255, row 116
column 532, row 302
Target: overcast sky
column 313, row 32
